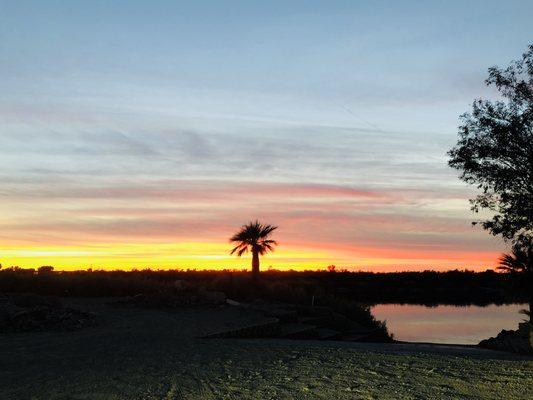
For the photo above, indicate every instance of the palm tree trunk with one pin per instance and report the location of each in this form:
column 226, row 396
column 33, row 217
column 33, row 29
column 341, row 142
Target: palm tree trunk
column 531, row 321
column 529, row 286
column 255, row 264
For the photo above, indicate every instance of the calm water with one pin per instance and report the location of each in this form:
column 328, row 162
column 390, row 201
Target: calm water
column 447, row 324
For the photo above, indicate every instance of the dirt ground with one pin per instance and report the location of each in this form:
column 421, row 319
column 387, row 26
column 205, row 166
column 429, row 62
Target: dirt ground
column 150, row 354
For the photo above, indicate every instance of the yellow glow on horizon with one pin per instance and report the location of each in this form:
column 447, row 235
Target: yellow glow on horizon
column 201, row 255
column 215, row 255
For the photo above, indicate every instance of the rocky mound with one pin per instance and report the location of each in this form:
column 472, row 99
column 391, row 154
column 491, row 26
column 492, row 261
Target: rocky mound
column 33, row 313
column 518, row 341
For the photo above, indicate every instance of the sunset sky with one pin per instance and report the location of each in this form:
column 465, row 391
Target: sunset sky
column 144, row 133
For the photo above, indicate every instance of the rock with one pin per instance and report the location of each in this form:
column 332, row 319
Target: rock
column 518, row 341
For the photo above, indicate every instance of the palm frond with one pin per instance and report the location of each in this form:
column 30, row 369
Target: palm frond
column 266, row 230
column 517, row 261
column 242, row 251
column 525, row 312
column 253, row 235
column 239, row 247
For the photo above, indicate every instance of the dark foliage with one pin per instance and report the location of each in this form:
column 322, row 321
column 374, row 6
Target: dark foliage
column 520, row 262
column 254, row 237
column 495, row 151
column 429, row 287
column 347, row 293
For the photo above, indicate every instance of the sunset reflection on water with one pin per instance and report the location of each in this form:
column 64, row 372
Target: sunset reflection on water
column 447, row 324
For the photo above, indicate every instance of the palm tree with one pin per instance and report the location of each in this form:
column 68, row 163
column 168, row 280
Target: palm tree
column 254, row 237
column 520, row 260
column 514, row 262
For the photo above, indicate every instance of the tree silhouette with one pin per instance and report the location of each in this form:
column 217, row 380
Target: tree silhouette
column 495, row 152
column 520, row 261
column 516, row 262
column 254, row 237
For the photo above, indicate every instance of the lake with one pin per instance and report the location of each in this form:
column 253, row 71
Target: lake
column 448, row 324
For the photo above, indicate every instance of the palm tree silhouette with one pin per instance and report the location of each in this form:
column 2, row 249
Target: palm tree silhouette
column 520, row 260
column 514, row 262
column 254, row 237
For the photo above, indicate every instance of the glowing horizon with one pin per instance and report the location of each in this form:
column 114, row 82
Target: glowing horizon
column 186, row 224
column 195, row 256
column 215, row 255
column 147, row 135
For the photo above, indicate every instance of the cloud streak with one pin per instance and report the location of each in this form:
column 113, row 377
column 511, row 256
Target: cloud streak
column 354, row 226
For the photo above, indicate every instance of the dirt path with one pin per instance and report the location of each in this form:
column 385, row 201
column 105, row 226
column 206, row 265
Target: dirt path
column 146, row 354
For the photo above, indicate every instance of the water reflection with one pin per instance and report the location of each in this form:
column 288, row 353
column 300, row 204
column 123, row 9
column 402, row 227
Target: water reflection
column 447, row 324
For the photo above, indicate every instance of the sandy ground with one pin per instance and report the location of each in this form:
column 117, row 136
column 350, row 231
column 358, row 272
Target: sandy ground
column 148, row 354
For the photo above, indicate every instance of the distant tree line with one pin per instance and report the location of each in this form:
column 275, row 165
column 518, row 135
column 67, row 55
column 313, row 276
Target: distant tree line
column 428, row 287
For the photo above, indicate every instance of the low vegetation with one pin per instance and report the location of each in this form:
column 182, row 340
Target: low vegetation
column 347, row 293
column 428, row 287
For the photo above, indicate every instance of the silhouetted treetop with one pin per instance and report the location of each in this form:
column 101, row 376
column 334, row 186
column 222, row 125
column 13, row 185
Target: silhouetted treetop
column 254, row 237
column 495, row 151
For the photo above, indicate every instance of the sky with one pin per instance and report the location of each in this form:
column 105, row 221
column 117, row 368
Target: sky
column 145, row 133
